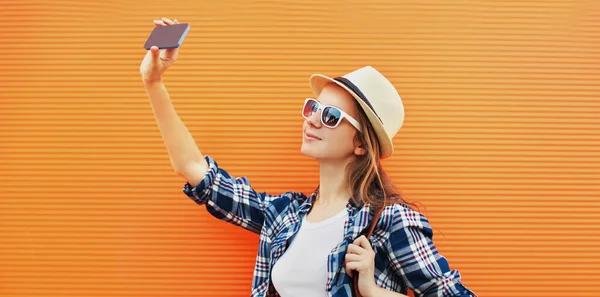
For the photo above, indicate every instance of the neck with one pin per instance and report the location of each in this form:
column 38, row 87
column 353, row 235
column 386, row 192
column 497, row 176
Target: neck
column 333, row 187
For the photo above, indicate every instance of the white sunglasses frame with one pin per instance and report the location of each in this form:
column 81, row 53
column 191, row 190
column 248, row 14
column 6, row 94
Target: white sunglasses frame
column 344, row 115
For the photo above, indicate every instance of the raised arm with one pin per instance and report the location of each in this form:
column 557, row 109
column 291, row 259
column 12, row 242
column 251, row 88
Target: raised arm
column 226, row 197
column 186, row 159
column 184, row 154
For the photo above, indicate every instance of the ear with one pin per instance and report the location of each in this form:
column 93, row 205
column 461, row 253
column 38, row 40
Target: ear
column 360, row 150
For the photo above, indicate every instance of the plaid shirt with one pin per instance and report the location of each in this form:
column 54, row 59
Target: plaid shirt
column 405, row 256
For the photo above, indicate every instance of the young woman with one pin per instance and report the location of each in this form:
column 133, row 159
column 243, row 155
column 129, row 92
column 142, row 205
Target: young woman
column 309, row 245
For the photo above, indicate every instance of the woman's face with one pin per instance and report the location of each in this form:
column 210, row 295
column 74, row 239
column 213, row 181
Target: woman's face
column 332, row 144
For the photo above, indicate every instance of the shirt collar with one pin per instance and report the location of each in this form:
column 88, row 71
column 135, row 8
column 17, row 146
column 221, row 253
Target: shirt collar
column 307, row 204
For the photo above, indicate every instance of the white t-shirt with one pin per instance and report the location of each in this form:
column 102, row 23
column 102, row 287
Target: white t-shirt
column 302, row 269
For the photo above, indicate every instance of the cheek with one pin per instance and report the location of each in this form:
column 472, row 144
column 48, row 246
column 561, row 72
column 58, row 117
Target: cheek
column 343, row 138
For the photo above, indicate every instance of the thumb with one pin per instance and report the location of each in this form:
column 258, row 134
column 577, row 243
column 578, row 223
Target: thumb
column 155, row 52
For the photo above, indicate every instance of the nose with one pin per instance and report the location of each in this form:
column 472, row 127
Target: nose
column 315, row 119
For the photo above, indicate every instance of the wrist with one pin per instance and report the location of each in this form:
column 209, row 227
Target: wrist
column 373, row 291
column 151, row 82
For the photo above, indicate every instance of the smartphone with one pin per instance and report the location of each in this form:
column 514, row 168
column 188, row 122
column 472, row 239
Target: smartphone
column 170, row 36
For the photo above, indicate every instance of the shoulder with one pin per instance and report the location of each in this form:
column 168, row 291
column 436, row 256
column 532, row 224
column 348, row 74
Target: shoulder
column 285, row 202
column 287, row 199
column 216, row 172
column 399, row 217
column 405, row 229
column 280, row 213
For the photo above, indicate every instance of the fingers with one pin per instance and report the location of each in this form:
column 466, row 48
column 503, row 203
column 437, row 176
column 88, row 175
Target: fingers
column 356, row 262
column 358, row 255
column 363, row 242
column 353, row 261
column 351, row 266
column 353, row 257
column 155, row 52
column 360, row 245
column 165, row 22
column 169, row 53
column 355, row 249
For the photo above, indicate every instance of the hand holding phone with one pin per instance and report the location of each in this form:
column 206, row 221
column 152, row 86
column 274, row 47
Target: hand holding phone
column 169, row 36
column 163, row 48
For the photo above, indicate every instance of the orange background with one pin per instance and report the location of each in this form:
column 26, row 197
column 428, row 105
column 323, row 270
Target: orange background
column 501, row 141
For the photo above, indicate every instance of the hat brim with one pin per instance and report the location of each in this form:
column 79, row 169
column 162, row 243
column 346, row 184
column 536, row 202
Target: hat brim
column 319, row 81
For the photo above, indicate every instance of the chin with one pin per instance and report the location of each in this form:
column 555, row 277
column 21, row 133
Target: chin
column 312, row 151
column 309, row 150
column 324, row 152
column 305, row 150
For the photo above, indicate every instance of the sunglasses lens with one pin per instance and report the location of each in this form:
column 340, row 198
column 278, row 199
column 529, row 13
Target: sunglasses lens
column 331, row 116
column 309, row 108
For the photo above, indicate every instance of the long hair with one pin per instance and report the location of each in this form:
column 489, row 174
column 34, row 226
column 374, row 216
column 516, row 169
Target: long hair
column 367, row 181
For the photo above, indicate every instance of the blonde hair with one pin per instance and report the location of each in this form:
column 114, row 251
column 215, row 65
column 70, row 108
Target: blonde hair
column 367, row 181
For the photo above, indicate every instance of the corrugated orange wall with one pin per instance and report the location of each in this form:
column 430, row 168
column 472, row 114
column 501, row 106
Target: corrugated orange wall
column 501, row 141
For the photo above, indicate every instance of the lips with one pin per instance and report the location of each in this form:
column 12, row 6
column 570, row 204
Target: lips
column 312, row 135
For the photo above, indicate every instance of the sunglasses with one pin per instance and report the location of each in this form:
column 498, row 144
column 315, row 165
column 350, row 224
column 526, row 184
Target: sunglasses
column 331, row 116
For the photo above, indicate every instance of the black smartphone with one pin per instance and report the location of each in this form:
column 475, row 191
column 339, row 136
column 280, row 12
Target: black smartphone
column 170, row 36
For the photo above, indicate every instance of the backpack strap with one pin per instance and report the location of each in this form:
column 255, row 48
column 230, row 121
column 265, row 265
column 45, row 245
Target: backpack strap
column 367, row 235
